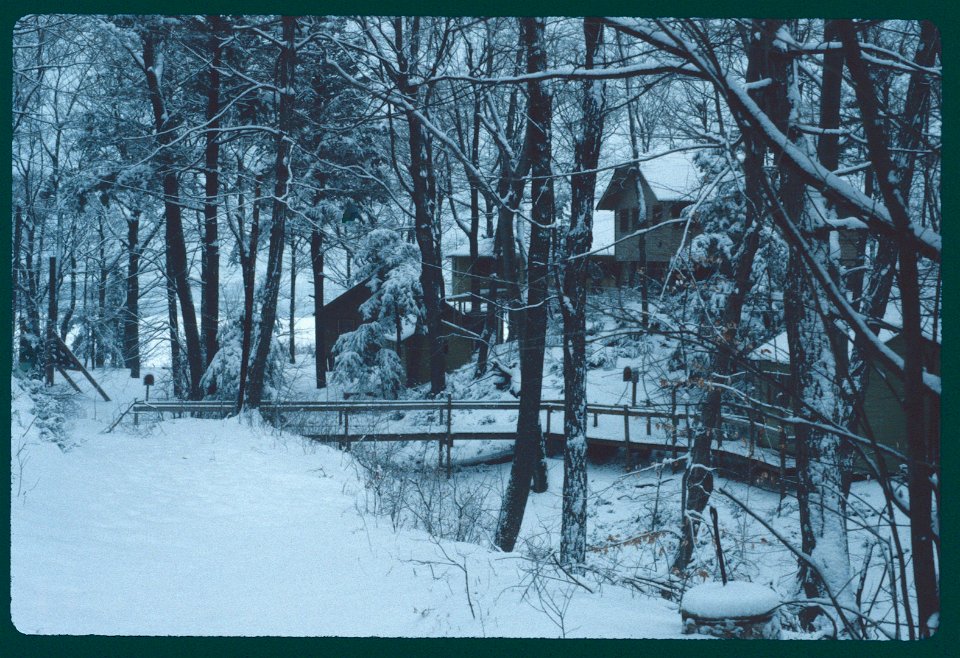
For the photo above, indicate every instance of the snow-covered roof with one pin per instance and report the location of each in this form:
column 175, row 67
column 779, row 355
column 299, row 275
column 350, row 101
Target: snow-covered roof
column 462, row 248
column 672, row 177
column 774, row 350
column 603, row 237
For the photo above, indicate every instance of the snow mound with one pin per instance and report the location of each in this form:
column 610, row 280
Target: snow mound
column 735, row 599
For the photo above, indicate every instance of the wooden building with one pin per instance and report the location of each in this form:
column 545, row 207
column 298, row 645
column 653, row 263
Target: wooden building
column 647, row 195
column 882, row 397
column 342, row 315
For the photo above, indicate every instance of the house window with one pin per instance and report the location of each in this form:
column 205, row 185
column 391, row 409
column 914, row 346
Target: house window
column 635, row 218
column 624, row 220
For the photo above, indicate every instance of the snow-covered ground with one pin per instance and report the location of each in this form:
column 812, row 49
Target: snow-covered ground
column 232, row 527
column 226, row 527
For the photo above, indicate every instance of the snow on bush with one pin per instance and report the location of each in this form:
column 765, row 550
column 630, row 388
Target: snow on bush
column 224, row 369
column 364, row 364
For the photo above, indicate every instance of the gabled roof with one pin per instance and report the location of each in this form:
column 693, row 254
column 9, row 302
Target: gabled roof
column 671, row 177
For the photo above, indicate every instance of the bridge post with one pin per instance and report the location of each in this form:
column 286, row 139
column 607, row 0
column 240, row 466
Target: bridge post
column 626, row 433
column 449, row 432
column 673, row 420
column 346, row 431
column 783, row 466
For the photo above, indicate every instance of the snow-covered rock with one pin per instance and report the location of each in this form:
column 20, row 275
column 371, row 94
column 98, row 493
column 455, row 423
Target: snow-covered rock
column 735, row 610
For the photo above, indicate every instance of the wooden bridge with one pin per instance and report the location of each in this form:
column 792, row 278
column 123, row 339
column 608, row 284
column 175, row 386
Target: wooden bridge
column 638, row 430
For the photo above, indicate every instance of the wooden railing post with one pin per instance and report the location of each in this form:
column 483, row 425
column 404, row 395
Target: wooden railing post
column 449, row 432
column 626, row 432
column 783, row 464
column 674, row 421
column 346, row 431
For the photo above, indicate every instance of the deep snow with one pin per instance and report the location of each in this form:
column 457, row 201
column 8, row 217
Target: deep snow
column 216, row 527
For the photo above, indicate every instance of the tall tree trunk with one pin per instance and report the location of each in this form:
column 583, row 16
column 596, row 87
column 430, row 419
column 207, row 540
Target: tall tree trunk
column 248, row 269
column 813, row 369
column 176, row 251
column 292, row 347
column 16, row 312
column 99, row 361
column 176, row 358
column 573, row 307
column 30, row 327
column 319, row 321
column 532, row 340
column 424, row 200
column 268, row 314
column 72, row 305
column 698, row 475
column 131, row 315
column 210, row 261
column 923, row 444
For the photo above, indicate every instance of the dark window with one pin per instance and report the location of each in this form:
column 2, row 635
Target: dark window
column 624, row 220
column 635, row 218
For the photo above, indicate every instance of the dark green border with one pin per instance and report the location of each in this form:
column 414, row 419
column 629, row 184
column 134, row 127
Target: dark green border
column 13, row 643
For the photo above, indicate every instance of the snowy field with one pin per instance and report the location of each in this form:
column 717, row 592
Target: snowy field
column 230, row 527
column 222, row 528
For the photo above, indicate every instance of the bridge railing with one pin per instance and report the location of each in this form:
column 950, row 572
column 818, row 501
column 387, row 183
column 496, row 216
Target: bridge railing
column 671, row 420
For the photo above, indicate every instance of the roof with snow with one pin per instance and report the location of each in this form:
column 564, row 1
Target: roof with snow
column 484, row 245
column 671, row 177
column 603, row 239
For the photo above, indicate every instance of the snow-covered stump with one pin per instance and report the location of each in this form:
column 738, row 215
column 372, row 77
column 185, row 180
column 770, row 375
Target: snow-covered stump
column 737, row 610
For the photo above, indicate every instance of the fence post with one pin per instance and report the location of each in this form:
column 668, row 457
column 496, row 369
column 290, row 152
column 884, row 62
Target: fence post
column 346, row 431
column 50, row 345
column 783, row 466
column 626, row 433
column 549, row 412
column 674, row 421
column 449, row 432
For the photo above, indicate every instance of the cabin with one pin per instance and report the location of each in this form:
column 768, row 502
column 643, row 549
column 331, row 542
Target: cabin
column 646, row 195
column 602, row 268
column 342, row 315
column 882, row 397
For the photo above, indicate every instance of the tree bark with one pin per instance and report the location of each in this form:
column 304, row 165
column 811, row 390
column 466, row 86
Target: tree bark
column 210, row 261
column 922, row 445
column 698, row 475
column 176, row 251
column 268, row 315
column 532, row 340
column 424, row 196
column 248, row 269
column 292, row 346
column 319, row 322
column 131, row 315
column 573, row 307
